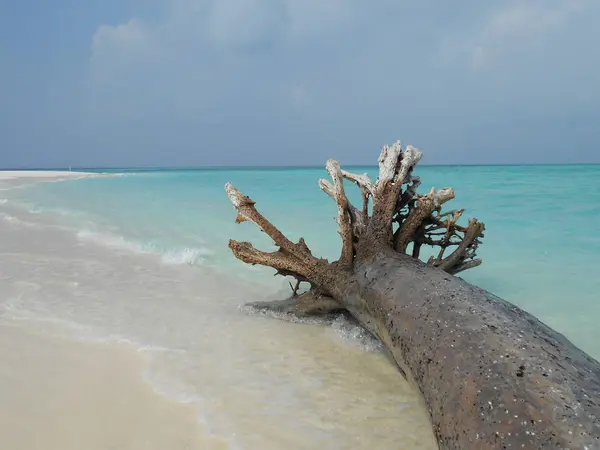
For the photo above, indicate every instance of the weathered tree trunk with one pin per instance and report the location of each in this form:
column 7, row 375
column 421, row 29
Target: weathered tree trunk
column 492, row 375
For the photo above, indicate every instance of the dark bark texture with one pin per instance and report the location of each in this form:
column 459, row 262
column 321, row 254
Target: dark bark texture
column 492, row 375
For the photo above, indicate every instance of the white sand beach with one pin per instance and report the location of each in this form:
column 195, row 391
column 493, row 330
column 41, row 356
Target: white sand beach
column 61, row 394
column 58, row 393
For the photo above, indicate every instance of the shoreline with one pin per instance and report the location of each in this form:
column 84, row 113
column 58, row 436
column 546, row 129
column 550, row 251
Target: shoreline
column 253, row 386
column 64, row 393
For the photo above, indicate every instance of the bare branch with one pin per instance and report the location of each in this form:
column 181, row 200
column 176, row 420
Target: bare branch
column 426, row 204
column 410, row 158
column 419, row 218
column 466, row 250
column 365, row 204
column 335, row 172
column 363, row 181
column 409, row 193
column 452, row 229
column 358, row 218
column 464, row 266
column 285, row 273
column 295, row 288
column 327, row 187
column 395, row 168
column 388, row 163
column 442, row 196
column 367, row 189
column 291, row 259
column 308, row 303
column 451, row 213
column 280, row 260
column 247, row 211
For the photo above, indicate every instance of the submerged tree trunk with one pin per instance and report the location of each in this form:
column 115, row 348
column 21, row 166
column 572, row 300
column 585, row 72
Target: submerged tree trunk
column 492, row 375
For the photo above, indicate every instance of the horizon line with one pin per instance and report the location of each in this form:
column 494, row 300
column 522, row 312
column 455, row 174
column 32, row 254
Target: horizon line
column 262, row 167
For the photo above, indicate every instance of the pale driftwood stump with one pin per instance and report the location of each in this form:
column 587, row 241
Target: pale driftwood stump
column 492, row 375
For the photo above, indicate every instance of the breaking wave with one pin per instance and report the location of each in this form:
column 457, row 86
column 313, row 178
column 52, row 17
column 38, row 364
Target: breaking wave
column 15, row 220
column 190, row 256
column 175, row 256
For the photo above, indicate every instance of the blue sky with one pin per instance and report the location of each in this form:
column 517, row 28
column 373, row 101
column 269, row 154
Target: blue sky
column 283, row 82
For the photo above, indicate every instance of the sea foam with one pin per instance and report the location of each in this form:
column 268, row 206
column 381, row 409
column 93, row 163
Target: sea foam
column 16, row 221
column 112, row 241
column 190, row 256
column 175, row 256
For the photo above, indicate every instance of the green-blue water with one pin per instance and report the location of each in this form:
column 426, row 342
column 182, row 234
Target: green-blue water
column 143, row 258
column 541, row 250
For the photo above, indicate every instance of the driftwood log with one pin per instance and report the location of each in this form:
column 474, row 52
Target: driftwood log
column 492, row 375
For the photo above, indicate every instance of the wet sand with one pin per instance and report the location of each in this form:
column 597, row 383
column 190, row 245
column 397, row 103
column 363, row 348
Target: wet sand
column 59, row 394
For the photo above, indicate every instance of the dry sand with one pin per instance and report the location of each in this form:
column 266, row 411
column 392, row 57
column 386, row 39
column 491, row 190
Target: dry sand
column 42, row 174
column 12, row 178
column 61, row 394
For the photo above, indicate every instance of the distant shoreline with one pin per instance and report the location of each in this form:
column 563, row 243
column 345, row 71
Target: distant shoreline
column 12, row 174
column 46, row 175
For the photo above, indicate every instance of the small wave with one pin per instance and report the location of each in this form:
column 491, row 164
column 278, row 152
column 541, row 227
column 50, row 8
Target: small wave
column 354, row 334
column 124, row 174
column 38, row 209
column 189, row 256
column 343, row 326
column 11, row 219
column 112, row 241
column 16, row 221
column 3, row 201
column 310, row 320
column 159, row 349
column 178, row 256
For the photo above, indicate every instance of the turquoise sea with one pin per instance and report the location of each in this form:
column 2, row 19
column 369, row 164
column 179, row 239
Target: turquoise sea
column 541, row 251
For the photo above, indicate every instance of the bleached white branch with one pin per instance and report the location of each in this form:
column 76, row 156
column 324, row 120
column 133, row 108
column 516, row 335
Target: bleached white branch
column 388, row 161
column 335, row 172
column 363, row 181
column 358, row 218
column 410, row 158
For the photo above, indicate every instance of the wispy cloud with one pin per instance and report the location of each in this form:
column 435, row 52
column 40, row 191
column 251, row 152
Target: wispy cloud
column 226, row 25
column 171, row 81
column 208, row 51
column 117, row 48
column 513, row 29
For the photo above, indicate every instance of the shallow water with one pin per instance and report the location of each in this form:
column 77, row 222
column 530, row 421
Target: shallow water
column 143, row 259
